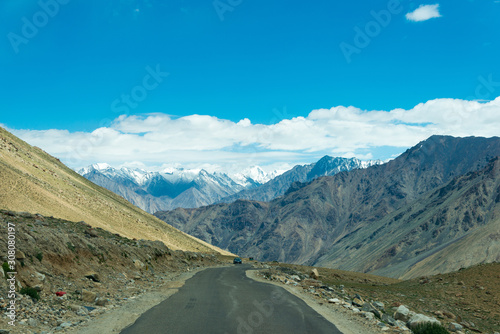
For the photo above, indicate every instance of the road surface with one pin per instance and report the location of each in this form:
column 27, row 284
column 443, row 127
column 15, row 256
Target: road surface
column 225, row 300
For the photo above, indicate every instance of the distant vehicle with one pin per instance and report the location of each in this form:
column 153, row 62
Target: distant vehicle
column 237, row 260
column 250, row 258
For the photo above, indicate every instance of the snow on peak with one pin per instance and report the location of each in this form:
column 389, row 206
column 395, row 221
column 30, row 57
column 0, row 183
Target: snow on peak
column 252, row 175
column 101, row 166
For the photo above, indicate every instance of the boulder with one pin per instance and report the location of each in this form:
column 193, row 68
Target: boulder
column 38, row 287
column 74, row 307
column 367, row 307
column 388, row 319
column 418, row 319
column 449, row 315
column 40, row 276
column 93, row 276
column 82, row 311
column 402, row 313
column 314, row 274
column 379, row 305
column 91, row 233
column 358, row 301
column 138, row 264
column 454, row 327
column 88, row 296
column 66, row 324
column 102, row 302
column 20, row 256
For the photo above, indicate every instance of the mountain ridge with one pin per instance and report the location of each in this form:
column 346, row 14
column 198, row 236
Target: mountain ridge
column 306, row 223
column 33, row 181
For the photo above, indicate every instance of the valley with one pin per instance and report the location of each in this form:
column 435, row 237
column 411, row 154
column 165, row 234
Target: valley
column 419, row 231
column 402, row 219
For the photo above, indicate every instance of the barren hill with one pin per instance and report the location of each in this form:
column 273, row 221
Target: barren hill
column 33, row 181
column 314, row 221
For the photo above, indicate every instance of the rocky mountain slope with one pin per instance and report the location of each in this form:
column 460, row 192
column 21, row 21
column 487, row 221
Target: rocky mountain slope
column 468, row 299
column 313, row 221
column 455, row 226
column 301, row 173
column 91, row 269
column 33, row 181
column 172, row 188
column 180, row 188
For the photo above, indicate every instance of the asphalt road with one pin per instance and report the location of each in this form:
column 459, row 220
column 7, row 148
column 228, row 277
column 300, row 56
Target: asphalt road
column 225, row 300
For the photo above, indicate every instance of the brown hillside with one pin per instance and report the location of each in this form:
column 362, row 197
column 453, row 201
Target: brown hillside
column 33, row 181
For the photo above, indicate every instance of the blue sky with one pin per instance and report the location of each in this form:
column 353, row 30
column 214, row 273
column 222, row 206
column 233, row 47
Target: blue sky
column 265, row 61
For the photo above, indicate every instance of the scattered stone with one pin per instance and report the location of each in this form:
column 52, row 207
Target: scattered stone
column 88, row 296
column 400, row 324
column 138, row 264
column 424, row 280
column 334, row 300
column 92, row 233
column 379, row 305
column 33, row 322
column 312, row 282
column 93, row 276
column 454, row 327
column 388, row 319
column 38, row 287
column 74, row 307
column 314, row 274
column 402, row 313
column 358, row 301
column 66, row 324
column 439, row 314
column 418, row 319
column 101, row 302
column 368, row 315
column 449, row 315
column 40, row 276
column 20, row 256
column 367, row 307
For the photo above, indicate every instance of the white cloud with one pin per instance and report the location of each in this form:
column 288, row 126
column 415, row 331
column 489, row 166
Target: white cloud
column 198, row 140
column 424, row 13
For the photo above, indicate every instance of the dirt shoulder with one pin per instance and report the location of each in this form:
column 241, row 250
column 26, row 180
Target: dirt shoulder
column 343, row 319
column 114, row 320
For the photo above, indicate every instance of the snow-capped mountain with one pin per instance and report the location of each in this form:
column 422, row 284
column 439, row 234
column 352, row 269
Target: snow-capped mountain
column 254, row 176
column 172, row 187
column 279, row 184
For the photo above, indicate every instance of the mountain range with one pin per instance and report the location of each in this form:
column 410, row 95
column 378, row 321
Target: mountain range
column 35, row 182
column 432, row 209
column 301, row 173
column 192, row 188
